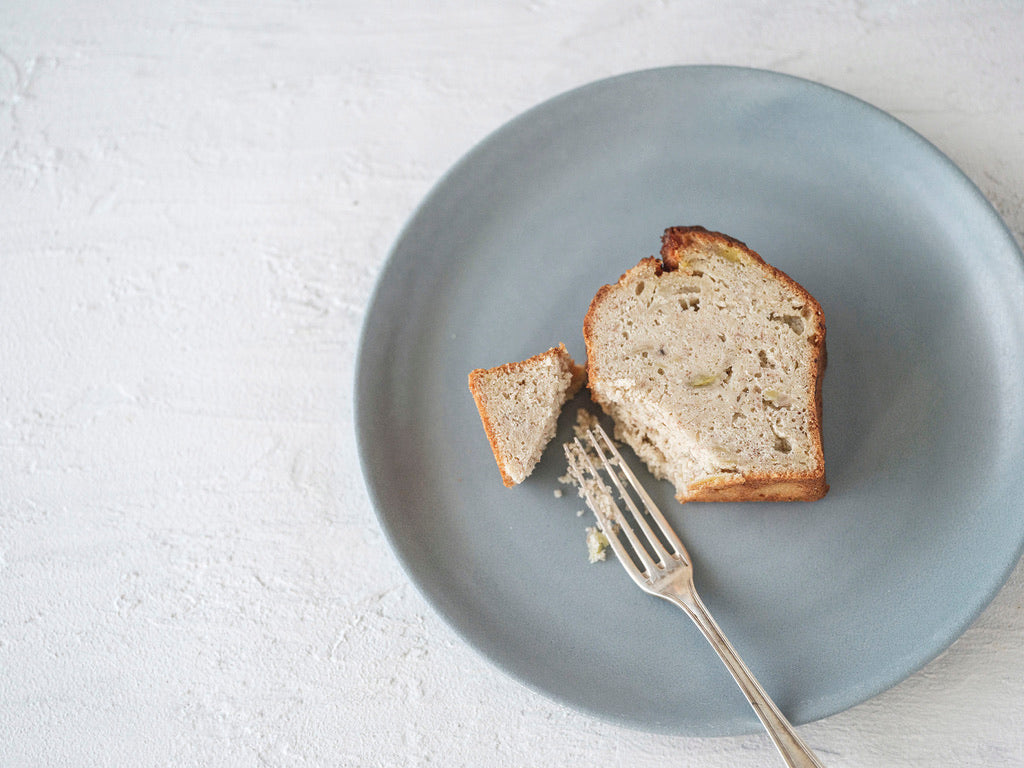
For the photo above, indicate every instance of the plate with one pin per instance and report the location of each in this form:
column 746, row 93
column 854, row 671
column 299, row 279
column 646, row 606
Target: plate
column 830, row 602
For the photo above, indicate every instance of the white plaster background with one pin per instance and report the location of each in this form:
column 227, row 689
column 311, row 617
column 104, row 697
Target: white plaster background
column 195, row 199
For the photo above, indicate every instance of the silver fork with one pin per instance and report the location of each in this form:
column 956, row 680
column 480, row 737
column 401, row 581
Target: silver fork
column 660, row 565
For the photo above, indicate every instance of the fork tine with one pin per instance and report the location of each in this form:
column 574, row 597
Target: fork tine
column 607, row 524
column 639, row 556
column 575, row 464
column 642, row 552
column 653, row 542
column 664, row 528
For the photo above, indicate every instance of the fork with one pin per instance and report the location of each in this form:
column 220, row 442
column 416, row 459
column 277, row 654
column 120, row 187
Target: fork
column 659, row 564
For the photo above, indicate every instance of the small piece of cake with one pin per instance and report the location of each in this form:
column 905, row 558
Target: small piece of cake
column 519, row 404
column 597, row 545
column 710, row 363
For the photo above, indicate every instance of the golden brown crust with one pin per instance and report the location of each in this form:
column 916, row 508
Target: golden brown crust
column 751, row 486
column 677, row 240
column 579, row 376
column 758, row 487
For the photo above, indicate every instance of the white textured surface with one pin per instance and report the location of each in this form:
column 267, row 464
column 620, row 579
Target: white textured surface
column 195, row 199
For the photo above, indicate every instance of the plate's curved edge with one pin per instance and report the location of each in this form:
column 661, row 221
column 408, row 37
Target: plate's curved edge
column 362, row 388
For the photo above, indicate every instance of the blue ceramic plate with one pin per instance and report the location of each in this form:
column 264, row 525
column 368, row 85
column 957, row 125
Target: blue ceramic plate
column 923, row 292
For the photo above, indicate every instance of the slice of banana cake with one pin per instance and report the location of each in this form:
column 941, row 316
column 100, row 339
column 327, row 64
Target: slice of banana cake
column 710, row 363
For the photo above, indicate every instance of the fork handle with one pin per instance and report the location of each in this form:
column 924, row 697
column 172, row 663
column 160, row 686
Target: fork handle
column 792, row 748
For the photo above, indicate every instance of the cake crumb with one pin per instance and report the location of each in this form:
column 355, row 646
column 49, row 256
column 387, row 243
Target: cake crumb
column 585, row 420
column 597, row 544
column 558, row 493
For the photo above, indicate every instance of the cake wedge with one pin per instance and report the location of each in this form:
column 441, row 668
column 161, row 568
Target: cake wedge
column 519, row 405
